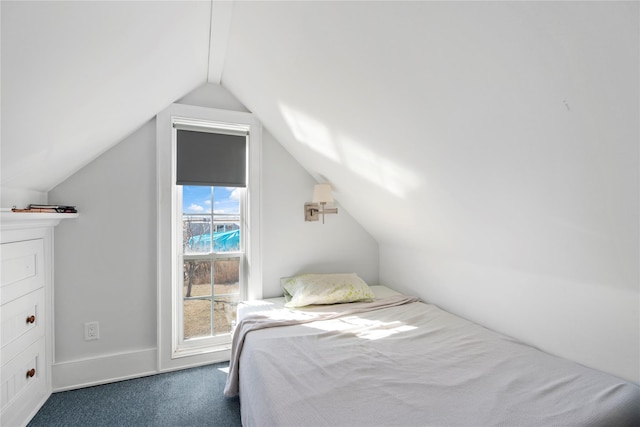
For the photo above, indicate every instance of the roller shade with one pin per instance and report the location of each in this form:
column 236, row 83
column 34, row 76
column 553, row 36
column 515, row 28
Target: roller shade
column 212, row 159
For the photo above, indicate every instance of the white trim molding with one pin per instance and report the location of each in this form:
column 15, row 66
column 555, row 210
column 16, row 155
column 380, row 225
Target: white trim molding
column 88, row 372
column 165, row 167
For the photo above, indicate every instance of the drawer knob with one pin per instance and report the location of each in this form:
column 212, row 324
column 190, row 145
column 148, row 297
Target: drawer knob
column 31, row 319
column 31, row 372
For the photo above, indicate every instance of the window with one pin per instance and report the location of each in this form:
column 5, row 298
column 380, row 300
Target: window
column 208, row 230
column 212, row 252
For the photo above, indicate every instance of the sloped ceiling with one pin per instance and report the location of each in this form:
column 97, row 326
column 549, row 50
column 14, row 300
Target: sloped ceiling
column 463, row 127
column 77, row 77
column 480, row 130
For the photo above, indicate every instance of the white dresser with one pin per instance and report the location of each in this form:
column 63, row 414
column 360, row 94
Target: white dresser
column 26, row 341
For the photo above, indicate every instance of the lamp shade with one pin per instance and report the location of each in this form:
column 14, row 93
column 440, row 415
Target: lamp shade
column 322, row 193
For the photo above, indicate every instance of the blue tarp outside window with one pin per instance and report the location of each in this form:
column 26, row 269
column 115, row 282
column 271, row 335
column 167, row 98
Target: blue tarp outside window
column 227, row 241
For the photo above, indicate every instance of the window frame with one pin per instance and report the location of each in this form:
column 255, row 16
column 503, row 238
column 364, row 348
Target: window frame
column 181, row 346
column 170, row 357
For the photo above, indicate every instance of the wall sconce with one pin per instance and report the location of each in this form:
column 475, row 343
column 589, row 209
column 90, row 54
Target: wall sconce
column 321, row 196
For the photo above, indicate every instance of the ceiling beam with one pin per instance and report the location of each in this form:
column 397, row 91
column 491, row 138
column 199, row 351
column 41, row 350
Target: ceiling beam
column 221, row 12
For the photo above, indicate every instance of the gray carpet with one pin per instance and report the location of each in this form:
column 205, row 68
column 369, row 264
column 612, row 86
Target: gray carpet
column 191, row 397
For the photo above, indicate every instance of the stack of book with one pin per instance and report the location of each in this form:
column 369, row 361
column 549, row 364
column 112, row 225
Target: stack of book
column 48, row 209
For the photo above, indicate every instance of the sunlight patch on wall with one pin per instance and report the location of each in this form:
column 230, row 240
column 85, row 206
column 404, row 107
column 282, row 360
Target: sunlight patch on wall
column 377, row 169
column 340, row 148
column 311, row 132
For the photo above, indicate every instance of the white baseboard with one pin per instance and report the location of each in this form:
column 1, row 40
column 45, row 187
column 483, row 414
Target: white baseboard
column 104, row 369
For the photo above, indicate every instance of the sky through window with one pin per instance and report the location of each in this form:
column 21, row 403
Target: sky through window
column 197, row 200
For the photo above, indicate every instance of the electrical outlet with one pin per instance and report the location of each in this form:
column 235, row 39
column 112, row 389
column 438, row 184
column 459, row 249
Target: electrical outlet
column 91, row 331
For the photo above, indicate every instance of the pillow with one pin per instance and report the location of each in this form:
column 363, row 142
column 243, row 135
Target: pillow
column 307, row 289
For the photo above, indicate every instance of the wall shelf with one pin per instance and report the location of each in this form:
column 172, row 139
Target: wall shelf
column 14, row 220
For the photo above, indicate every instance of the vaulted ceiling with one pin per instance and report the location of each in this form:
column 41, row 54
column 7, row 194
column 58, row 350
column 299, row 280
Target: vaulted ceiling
column 447, row 123
column 77, row 77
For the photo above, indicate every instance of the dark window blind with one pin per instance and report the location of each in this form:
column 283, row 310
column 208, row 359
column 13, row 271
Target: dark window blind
column 211, row 159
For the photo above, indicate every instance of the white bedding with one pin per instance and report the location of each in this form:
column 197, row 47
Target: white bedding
column 415, row 365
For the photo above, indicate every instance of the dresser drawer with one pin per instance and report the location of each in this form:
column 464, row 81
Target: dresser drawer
column 20, row 391
column 22, row 269
column 22, row 324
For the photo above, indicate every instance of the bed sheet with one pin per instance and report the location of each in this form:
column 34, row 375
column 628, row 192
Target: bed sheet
column 417, row 365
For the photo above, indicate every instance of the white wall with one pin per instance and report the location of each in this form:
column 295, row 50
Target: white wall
column 592, row 323
column 491, row 148
column 105, row 261
column 105, row 265
column 291, row 245
column 531, row 204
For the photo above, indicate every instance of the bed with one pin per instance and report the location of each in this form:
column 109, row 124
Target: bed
column 396, row 361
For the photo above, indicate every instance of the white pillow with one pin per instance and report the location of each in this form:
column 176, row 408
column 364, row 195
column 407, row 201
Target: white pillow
column 308, row 289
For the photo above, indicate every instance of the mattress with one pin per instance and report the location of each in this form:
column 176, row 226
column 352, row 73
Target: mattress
column 413, row 365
